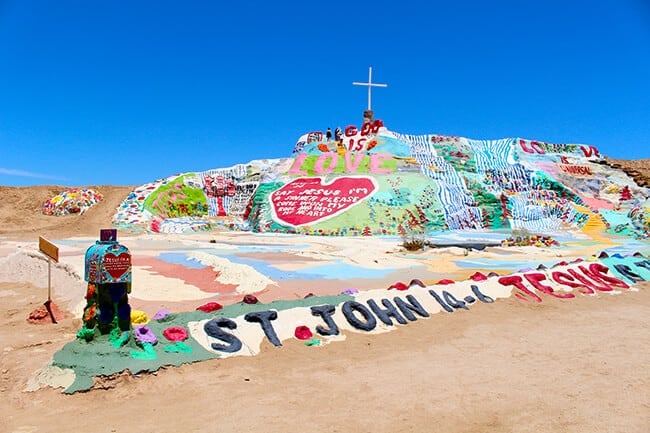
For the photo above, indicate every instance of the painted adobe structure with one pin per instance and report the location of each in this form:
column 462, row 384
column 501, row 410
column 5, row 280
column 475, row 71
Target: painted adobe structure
column 373, row 181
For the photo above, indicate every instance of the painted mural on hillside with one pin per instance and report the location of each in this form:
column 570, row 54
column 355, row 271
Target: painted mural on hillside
column 371, row 181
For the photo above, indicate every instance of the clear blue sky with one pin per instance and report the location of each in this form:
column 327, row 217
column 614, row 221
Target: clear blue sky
column 126, row 92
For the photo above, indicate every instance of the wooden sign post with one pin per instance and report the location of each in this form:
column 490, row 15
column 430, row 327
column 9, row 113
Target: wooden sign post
column 52, row 253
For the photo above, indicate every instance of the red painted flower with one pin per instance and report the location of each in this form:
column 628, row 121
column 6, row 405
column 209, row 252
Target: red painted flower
column 443, row 282
column 175, row 333
column 478, row 276
column 302, row 333
column 210, row 307
column 398, row 285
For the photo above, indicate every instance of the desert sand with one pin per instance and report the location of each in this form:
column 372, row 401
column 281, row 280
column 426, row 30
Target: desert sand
column 563, row 365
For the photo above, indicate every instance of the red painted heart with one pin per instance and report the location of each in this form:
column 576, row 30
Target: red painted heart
column 307, row 200
column 116, row 266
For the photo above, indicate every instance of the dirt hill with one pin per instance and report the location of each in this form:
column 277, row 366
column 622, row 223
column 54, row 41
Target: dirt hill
column 21, row 217
column 638, row 169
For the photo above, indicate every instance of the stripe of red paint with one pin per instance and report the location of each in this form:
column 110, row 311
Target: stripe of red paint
column 516, row 280
column 536, row 278
column 204, row 278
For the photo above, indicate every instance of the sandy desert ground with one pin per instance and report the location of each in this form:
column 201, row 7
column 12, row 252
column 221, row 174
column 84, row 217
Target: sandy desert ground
column 563, row 365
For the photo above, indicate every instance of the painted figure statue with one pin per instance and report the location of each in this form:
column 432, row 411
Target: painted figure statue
column 108, row 273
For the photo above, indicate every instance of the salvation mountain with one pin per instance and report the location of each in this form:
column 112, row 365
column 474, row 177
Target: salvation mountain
column 372, row 181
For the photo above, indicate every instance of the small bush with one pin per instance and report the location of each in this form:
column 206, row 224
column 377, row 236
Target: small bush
column 414, row 243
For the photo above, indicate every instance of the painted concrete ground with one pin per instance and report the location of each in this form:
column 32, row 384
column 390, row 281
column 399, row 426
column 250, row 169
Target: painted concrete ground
column 181, row 272
column 309, row 282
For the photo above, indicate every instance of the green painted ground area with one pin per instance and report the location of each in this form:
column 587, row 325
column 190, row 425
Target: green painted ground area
column 101, row 358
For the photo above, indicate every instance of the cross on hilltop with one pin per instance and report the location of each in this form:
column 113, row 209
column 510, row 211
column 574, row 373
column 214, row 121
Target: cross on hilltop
column 370, row 85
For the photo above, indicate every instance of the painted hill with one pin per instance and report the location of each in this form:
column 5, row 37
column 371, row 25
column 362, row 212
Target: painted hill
column 373, row 181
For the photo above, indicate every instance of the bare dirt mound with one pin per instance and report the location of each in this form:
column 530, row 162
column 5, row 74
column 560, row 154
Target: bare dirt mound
column 638, row 169
column 21, row 217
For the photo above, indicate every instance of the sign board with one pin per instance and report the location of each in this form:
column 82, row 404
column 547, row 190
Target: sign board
column 48, row 248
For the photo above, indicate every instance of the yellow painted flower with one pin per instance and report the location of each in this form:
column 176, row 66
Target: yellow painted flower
column 139, row 317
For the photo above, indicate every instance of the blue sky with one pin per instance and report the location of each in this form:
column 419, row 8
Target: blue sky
column 124, row 93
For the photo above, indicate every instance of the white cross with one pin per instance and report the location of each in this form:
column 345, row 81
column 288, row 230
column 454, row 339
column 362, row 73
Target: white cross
column 370, row 85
